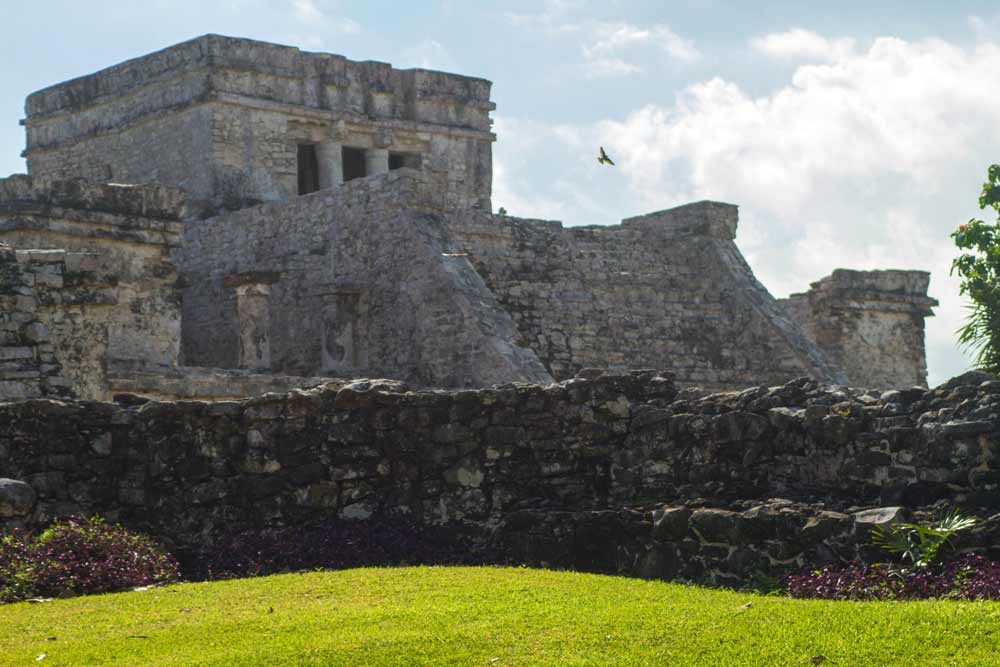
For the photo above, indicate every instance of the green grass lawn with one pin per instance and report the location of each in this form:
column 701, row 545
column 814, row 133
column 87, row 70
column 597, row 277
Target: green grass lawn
column 489, row 617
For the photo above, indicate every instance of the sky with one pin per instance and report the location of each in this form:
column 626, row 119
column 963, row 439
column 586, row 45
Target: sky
column 849, row 136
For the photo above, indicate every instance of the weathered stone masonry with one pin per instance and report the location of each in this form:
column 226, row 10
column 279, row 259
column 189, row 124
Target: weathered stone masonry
column 532, row 470
column 225, row 118
column 108, row 301
column 359, row 282
column 382, row 279
column 338, row 225
column 664, row 290
column 869, row 323
column 28, row 365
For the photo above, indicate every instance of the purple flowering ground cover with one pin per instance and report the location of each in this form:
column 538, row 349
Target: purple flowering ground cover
column 966, row 577
column 80, row 556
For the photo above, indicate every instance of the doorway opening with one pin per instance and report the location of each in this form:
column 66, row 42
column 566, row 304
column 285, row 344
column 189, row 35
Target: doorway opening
column 308, row 168
column 398, row 160
column 354, row 163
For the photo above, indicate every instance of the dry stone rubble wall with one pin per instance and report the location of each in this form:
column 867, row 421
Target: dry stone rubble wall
column 667, row 480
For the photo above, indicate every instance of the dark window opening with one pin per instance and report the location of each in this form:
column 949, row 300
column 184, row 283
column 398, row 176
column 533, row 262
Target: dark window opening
column 354, row 163
column 308, row 167
column 397, row 160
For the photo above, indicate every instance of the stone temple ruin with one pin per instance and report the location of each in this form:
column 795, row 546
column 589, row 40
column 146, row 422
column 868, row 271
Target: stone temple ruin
column 227, row 217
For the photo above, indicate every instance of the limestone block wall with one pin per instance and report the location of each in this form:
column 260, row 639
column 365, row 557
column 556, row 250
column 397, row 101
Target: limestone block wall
column 164, row 149
column 352, row 282
column 222, row 118
column 869, row 323
column 110, row 297
column 736, row 544
column 28, row 364
column 664, row 290
column 189, row 470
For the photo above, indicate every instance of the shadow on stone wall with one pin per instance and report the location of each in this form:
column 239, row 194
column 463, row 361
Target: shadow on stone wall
column 621, row 473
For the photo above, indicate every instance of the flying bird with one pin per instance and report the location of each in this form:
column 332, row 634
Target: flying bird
column 603, row 158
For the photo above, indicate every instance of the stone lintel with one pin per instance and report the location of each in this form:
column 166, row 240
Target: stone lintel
column 880, row 301
column 40, row 219
column 39, row 256
column 360, row 123
column 251, row 278
column 152, row 202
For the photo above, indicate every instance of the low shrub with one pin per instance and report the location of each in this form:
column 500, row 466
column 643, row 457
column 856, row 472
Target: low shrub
column 922, row 544
column 968, row 577
column 80, row 556
column 15, row 580
column 333, row 544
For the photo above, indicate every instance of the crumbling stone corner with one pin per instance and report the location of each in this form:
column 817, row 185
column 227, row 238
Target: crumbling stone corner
column 869, row 323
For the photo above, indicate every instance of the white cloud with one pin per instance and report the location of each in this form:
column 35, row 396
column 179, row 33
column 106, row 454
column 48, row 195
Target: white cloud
column 979, row 27
column 611, row 43
column 674, row 45
column 347, row 26
column 614, row 36
column 230, row 6
column 867, row 161
column 798, row 45
column 610, row 48
column 429, row 54
column 984, row 28
column 518, row 143
column 310, row 12
column 307, row 10
column 543, row 21
column 599, row 67
column 551, row 18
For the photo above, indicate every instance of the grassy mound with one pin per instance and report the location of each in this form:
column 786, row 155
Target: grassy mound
column 486, row 616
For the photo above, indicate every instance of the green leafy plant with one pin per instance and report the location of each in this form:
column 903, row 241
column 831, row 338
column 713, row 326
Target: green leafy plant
column 921, row 545
column 980, row 274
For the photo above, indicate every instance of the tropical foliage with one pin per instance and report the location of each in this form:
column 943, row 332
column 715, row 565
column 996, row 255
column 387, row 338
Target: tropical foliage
column 921, row 544
column 979, row 269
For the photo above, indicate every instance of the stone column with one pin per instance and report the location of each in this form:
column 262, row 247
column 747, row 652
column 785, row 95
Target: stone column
column 376, row 161
column 253, row 312
column 330, row 156
column 253, row 317
column 344, row 345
